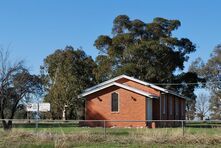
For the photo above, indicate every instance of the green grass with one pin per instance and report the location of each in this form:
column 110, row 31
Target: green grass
column 69, row 135
column 120, row 131
column 204, row 124
column 208, row 131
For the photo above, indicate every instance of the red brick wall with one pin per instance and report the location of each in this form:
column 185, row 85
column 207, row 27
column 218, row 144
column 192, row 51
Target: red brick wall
column 139, row 86
column 132, row 106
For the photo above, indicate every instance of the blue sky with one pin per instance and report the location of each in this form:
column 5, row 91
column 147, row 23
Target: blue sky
column 33, row 29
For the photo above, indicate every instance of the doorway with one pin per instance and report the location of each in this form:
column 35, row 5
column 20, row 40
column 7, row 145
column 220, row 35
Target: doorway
column 149, row 109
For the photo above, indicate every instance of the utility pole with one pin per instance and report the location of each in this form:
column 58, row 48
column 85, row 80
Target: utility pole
column 37, row 117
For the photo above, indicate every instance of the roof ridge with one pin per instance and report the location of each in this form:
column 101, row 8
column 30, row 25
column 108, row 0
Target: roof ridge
column 136, row 80
column 135, row 88
column 119, row 85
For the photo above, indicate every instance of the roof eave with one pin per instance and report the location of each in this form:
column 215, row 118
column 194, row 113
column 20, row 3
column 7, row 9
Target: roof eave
column 138, row 81
column 119, row 85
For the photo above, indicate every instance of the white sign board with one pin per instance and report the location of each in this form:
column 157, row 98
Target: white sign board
column 44, row 107
column 33, row 107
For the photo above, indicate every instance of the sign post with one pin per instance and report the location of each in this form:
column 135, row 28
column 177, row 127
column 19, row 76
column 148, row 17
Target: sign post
column 32, row 107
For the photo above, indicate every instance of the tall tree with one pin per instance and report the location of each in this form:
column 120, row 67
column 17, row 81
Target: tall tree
column 215, row 105
column 141, row 49
column 211, row 71
column 67, row 72
column 16, row 83
column 202, row 105
column 147, row 51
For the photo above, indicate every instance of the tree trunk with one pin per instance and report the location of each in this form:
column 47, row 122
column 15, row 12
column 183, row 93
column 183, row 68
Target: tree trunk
column 201, row 117
column 64, row 114
column 7, row 125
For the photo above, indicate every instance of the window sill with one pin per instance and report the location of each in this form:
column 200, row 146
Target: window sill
column 115, row 112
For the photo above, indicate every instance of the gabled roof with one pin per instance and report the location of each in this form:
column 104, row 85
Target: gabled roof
column 119, row 85
column 98, row 86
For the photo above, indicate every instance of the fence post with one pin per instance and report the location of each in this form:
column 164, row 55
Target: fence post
column 105, row 132
column 183, row 127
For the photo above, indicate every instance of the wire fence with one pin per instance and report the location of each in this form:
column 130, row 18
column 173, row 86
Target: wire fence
column 118, row 127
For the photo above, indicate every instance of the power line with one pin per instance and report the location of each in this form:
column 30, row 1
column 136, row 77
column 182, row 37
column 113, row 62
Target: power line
column 180, row 83
column 177, row 83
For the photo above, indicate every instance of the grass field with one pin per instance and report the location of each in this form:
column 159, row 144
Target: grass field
column 69, row 135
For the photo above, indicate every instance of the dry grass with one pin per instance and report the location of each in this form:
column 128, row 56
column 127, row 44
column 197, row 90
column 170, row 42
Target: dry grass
column 175, row 137
column 22, row 137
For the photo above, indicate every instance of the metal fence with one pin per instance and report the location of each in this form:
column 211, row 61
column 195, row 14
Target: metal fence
column 118, row 127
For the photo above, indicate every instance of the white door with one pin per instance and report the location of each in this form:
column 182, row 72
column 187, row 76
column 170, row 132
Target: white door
column 149, row 109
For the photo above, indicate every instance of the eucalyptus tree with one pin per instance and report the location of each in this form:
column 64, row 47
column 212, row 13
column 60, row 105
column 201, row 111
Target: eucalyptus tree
column 67, row 73
column 147, row 51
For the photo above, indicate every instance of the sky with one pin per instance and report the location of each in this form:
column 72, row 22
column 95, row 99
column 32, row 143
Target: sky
column 33, row 29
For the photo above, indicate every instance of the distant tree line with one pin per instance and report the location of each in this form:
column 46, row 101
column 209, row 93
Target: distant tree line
column 211, row 71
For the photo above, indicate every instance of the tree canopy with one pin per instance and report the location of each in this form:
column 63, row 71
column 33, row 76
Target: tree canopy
column 140, row 49
column 68, row 72
column 147, row 51
column 16, row 83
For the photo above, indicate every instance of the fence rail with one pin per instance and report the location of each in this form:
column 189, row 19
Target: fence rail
column 49, row 120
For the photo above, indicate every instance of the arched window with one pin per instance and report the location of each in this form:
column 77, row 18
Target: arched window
column 114, row 102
